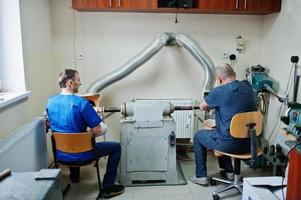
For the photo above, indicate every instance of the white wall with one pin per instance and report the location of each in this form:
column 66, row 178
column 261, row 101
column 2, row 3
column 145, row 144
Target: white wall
column 39, row 68
column 108, row 40
column 281, row 40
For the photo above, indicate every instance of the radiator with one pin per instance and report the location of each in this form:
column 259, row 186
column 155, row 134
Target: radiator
column 186, row 124
column 25, row 149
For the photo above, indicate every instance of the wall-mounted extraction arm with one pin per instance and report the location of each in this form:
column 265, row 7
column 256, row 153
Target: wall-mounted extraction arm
column 161, row 40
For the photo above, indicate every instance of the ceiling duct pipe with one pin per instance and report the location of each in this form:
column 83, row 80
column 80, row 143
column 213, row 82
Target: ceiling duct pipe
column 160, row 41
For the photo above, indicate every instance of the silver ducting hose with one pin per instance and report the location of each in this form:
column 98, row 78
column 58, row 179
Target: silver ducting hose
column 160, row 41
column 199, row 54
column 118, row 74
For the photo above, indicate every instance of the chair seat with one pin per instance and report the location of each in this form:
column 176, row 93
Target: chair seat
column 76, row 164
column 239, row 156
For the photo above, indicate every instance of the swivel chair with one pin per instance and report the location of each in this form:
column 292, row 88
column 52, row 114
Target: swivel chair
column 243, row 125
column 75, row 143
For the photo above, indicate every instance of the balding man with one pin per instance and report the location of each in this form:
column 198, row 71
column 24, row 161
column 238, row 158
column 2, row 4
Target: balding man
column 229, row 98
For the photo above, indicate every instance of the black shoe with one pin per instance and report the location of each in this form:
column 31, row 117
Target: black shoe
column 112, row 191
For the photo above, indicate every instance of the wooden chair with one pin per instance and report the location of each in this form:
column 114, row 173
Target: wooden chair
column 75, row 143
column 243, row 125
column 94, row 98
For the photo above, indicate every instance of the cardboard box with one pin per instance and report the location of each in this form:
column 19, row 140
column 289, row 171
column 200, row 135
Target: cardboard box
column 263, row 188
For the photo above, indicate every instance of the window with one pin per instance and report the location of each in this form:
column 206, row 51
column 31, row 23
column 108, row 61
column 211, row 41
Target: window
column 11, row 54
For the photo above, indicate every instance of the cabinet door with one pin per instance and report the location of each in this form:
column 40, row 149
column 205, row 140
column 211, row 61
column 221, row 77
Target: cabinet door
column 110, row 5
column 219, row 6
column 90, row 5
column 261, row 6
column 240, row 6
column 84, row 4
column 141, row 4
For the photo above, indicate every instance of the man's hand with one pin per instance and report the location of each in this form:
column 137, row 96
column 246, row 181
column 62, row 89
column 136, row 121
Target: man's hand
column 99, row 130
column 209, row 124
column 203, row 105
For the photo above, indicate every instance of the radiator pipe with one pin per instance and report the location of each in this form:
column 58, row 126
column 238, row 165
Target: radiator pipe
column 161, row 40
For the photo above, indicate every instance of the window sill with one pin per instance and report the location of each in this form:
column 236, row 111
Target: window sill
column 7, row 98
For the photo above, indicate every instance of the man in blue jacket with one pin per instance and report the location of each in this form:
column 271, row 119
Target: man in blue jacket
column 228, row 99
column 69, row 113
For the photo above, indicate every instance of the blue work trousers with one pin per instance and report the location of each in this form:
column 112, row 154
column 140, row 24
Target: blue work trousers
column 111, row 149
column 210, row 139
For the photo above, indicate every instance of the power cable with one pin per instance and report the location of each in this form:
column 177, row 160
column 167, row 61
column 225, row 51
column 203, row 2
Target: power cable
column 288, row 88
column 74, row 40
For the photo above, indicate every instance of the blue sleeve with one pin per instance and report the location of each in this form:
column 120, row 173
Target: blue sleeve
column 215, row 98
column 90, row 115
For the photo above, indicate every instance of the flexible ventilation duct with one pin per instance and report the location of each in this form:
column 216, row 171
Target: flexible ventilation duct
column 160, row 41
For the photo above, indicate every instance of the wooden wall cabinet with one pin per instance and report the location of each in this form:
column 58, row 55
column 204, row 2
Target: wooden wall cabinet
column 240, row 6
column 259, row 7
column 114, row 5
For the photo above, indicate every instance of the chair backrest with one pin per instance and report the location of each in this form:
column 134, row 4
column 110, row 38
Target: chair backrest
column 93, row 97
column 238, row 126
column 73, row 142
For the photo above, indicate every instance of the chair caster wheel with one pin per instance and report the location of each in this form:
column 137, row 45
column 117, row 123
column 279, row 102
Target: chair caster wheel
column 213, row 182
column 216, row 197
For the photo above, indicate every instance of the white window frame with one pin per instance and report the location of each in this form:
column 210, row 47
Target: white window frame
column 12, row 78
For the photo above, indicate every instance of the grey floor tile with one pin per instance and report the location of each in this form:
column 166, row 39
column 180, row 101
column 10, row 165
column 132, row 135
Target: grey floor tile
column 88, row 187
column 179, row 197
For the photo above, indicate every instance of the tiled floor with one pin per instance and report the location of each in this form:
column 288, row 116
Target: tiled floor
column 88, row 189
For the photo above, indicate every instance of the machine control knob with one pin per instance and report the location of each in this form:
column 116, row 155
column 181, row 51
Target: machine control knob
column 172, row 139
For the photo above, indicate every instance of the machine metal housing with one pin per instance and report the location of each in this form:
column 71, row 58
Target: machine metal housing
column 148, row 143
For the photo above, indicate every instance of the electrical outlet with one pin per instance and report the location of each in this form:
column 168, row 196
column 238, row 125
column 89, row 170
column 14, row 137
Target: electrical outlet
column 80, row 56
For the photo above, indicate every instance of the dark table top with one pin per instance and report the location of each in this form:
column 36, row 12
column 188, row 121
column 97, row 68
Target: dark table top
column 22, row 185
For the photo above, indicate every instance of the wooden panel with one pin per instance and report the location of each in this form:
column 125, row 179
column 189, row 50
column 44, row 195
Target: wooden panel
column 240, row 6
column 294, row 176
column 202, row 6
column 141, row 4
column 238, row 126
column 219, row 6
column 243, row 156
column 93, row 97
column 260, row 6
column 84, row 4
column 104, row 4
column 73, row 142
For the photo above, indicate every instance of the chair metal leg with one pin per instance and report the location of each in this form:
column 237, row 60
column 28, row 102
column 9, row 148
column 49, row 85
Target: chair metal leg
column 221, row 180
column 236, row 183
column 99, row 182
column 223, row 189
column 233, row 184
